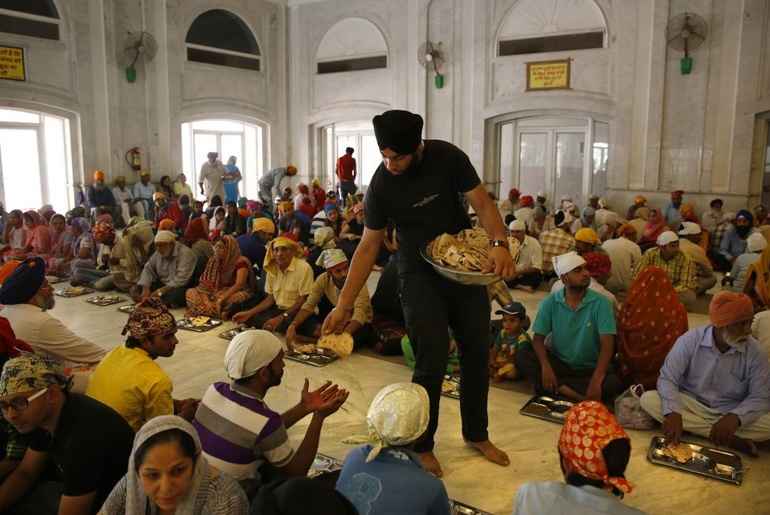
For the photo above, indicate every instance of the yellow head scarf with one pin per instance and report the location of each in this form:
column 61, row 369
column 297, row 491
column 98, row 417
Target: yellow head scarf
column 270, row 265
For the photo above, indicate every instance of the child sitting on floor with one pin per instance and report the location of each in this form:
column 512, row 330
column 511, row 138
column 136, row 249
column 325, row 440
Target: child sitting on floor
column 512, row 337
column 453, row 365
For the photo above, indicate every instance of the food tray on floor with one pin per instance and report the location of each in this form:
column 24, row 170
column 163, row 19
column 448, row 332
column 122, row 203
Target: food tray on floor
column 459, row 508
column 315, row 358
column 73, row 291
column 105, row 300
column 229, row 335
column 323, row 464
column 719, row 464
column 450, row 387
column 552, row 409
column 128, row 308
column 52, row 279
column 199, row 324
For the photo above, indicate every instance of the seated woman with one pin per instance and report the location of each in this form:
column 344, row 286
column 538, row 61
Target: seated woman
column 57, row 261
column 333, row 219
column 167, row 474
column 96, row 274
column 83, row 245
column 38, row 235
column 217, row 224
column 216, row 202
column 593, row 453
column 352, row 231
column 226, row 282
column 130, row 253
column 196, row 237
column 651, row 320
column 385, row 476
column 14, row 236
column 235, row 225
column 656, row 225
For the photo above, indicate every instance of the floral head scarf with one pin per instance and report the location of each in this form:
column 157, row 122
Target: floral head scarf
column 31, row 372
column 150, row 318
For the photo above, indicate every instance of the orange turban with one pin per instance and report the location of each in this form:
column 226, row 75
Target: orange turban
column 167, row 224
column 98, row 175
column 728, row 308
column 7, row 269
column 628, row 231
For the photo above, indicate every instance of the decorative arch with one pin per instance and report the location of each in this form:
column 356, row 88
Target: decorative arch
column 352, row 44
column 221, row 37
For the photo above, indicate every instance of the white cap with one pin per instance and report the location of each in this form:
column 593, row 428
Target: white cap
column 756, row 242
column 566, row 263
column 666, row 238
column 249, row 351
column 165, row 237
column 398, row 416
column 689, row 229
column 540, row 194
column 517, row 225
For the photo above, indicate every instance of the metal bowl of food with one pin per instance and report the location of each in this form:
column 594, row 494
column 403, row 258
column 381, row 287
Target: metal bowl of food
column 461, row 276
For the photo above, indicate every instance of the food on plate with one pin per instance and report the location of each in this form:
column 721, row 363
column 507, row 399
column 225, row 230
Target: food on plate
column 199, row 321
column 304, row 349
column 448, row 386
column 341, row 344
column 681, row 453
column 467, row 250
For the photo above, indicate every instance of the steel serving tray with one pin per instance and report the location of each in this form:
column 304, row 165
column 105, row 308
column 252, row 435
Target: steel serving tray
column 73, row 291
column 552, row 409
column 188, row 324
column 719, row 464
column 317, row 358
column 105, row 300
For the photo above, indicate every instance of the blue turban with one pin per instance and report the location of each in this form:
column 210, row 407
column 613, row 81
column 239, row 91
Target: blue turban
column 329, row 207
column 24, row 282
column 744, row 213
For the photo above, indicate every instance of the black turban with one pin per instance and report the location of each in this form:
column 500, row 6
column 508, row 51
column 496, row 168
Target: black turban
column 400, row 131
column 24, row 282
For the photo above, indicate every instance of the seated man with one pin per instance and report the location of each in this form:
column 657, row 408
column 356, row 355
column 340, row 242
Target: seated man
column 715, row 381
column 557, row 241
column 169, row 272
column 678, row 266
column 96, row 274
column 27, row 297
column 529, row 261
column 167, row 209
column 755, row 244
column 253, row 244
column 324, row 296
column 129, row 380
column 689, row 242
column 100, row 196
column 624, row 255
column 593, row 463
column 240, row 434
column 87, row 442
column 289, row 282
column 733, row 243
column 581, row 324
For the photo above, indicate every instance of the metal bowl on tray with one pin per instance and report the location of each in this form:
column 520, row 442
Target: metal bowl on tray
column 460, row 276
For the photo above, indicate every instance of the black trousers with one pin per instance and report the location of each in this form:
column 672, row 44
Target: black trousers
column 578, row 379
column 532, row 279
column 432, row 304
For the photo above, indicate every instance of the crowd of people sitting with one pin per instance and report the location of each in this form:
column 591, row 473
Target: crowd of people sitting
column 86, row 430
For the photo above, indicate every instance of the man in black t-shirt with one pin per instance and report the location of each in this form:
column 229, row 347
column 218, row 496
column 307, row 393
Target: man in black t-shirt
column 88, row 443
column 420, row 187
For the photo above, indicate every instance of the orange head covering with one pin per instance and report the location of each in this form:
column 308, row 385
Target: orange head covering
column 7, row 269
column 98, row 175
column 628, row 231
column 588, row 235
column 526, row 201
column 588, row 428
column 167, row 224
column 728, row 308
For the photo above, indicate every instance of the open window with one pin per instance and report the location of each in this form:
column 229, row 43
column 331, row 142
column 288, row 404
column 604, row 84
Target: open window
column 34, row 18
column 221, row 38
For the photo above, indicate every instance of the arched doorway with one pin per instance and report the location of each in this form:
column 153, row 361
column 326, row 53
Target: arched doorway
column 357, row 134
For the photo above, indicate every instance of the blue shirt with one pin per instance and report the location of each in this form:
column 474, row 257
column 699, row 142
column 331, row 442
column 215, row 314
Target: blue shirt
column 737, row 381
column 575, row 333
column 556, row 498
column 672, row 213
column 393, row 483
column 733, row 245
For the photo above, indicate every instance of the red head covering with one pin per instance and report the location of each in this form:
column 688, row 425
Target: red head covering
column 103, row 232
column 588, row 428
column 598, row 264
column 527, row 201
column 514, row 193
column 196, row 230
column 728, row 308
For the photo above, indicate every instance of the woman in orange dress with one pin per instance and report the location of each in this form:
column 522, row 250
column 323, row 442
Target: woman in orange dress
column 656, row 224
column 651, row 320
column 38, row 234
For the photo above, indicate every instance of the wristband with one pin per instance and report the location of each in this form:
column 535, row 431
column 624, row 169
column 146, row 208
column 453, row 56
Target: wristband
column 499, row 243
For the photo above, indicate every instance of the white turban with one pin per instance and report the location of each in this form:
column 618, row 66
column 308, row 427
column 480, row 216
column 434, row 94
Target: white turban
column 330, row 258
column 689, row 229
column 566, row 263
column 517, row 225
column 165, row 237
column 756, row 242
column 397, row 416
column 249, row 351
column 666, row 238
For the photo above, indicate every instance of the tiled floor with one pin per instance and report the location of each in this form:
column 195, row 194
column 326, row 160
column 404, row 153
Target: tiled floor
column 530, row 443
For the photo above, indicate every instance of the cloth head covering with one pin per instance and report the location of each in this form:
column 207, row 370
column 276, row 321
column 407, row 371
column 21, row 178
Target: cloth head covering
column 603, row 204
column 689, row 229
column 677, row 194
column 285, row 206
column 7, row 269
column 566, row 263
column 745, row 213
column 562, row 218
column 526, row 201
column 587, row 235
column 150, row 318
column 98, row 175
column 144, row 173
column 302, row 188
column 400, row 131
column 587, row 212
column 251, row 205
column 263, row 224
column 666, row 237
column 598, row 264
column 165, row 237
column 323, row 237
column 34, row 216
column 270, row 265
column 136, row 499
column 250, row 351
column 196, row 230
column 397, row 416
column 756, row 242
column 31, row 372
column 628, row 231
column 220, row 268
column 588, row 428
column 24, row 282
column 291, row 169
column 517, row 225
column 515, row 193
column 329, row 207
column 330, row 258
column 639, row 200
column 642, row 213
column 103, row 232
column 167, row 224
column 688, row 213
column 728, row 308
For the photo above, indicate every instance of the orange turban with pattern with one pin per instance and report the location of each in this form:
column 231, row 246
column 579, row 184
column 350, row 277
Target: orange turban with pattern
column 728, row 308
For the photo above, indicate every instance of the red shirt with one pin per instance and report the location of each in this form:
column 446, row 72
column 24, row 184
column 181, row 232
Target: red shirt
column 346, row 168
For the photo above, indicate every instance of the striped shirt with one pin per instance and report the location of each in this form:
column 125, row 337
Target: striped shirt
column 239, row 433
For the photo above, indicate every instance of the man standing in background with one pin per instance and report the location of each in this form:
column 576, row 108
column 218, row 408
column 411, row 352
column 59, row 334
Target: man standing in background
column 346, row 173
column 211, row 177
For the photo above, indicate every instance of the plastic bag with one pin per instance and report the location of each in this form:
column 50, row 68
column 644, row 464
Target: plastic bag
column 629, row 411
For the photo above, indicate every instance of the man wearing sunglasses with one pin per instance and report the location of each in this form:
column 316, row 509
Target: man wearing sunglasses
column 421, row 186
column 87, row 442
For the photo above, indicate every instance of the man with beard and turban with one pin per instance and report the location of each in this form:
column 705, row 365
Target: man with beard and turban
column 734, row 241
column 715, row 381
column 325, row 295
column 420, row 187
column 100, row 196
column 672, row 210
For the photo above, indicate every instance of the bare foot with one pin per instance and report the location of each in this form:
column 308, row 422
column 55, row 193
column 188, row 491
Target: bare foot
column 430, row 463
column 491, row 452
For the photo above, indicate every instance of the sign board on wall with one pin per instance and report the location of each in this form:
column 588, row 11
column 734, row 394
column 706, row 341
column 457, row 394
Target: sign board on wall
column 548, row 75
column 12, row 63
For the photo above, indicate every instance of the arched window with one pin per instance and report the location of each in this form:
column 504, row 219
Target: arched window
column 536, row 26
column 352, row 44
column 222, row 38
column 36, row 18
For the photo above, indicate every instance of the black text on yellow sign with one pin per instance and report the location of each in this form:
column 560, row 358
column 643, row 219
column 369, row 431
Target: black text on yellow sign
column 12, row 63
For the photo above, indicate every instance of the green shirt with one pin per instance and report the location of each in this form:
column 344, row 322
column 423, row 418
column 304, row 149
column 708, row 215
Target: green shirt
column 575, row 333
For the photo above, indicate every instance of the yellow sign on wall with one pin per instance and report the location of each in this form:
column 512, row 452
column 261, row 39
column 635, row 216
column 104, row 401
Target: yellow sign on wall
column 12, row 63
column 548, row 75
